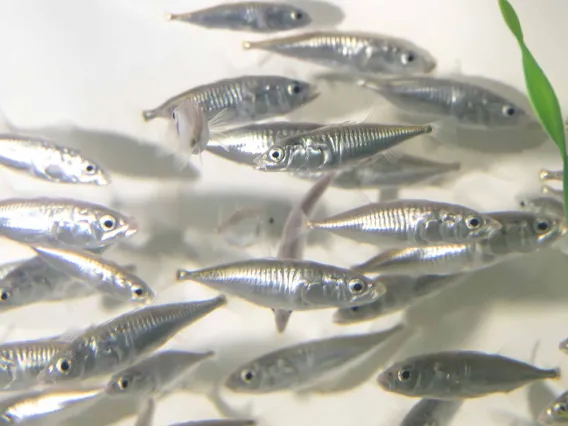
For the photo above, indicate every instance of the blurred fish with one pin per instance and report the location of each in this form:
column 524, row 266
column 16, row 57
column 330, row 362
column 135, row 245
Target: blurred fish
column 431, row 412
column 410, row 222
column 103, row 275
column 549, row 190
column 242, row 99
column 120, row 342
column 243, row 227
column 288, row 284
column 335, row 146
column 48, row 161
column 556, row 413
column 301, row 365
column 472, row 105
column 253, row 16
column 220, row 422
column 63, row 222
column 459, row 375
column 357, row 52
column 549, row 206
column 6, row 268
column 551, row 175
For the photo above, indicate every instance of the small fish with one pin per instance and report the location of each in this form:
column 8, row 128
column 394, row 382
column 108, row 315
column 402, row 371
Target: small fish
column 402, row 291
column 243, row 144
column 244, row 227
column 472, row 105
column 549, row 190
column 358, row 52
column 6, row 268
column 551, row 175
column 219, row 422
column 288, row 284
column 242, row 99
column 252, row 16
column 62, row 222
column 121, row 341
column 103, row 275
column 549, row 206
column 192, row 127
column 153, row 374
column 48, row 407
column 431, row 412
column 335, row 146
column 48, row 161
column 300, row 365
column 459, row 375
column 411, row 222
column 556, row 413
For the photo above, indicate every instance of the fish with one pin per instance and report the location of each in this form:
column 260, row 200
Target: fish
column 292, row 285
column 63, row 223
column 6, row 268
column 48, row 407
column 243, row 227
column 402, row 292
column 351, row 51
column 192, row 128
column 242, row 99
column 553, row 192
column 556, row 413
column 383, row 173
column 459, row 375
column 472, row 105
column 252, row 16
column 410, row 222
column 431, row 412
column 218, row 422
column 117, row 343
column 547, row 175
column 103, row 275
column 48, row 161
column 153, row 374
column 243, row 144
column 548, row 206
column 296, row 366
column 336, row 146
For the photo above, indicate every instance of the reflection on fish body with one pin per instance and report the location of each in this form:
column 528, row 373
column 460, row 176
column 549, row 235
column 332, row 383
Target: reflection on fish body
column 460, row 375
column 300, row 365
column 243, row 99
column 431, row 412
column 121, row 341
column 556, row 413
column 473, row 105
column 357, row 52
column 48, row 161
column 288, row 284
column 62, row 222
column 335, row 146
column 252, row 16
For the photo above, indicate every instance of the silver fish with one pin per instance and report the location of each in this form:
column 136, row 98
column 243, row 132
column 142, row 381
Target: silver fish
column 335, row 146
column 402, row 291
column 472, row 105
column 359, row 52
column 411, row 222
column 252, row 16
column 292, row 285
column 49, row 407
column 549, row 190
column 243, row 99
column 243, row 144
column 153, row 374
column 556, row 413
column 300, row 365
column 48, row 161
column 192, row 128
column 119, row 342
column 431, row 412
column 6, row 268
column 103, row 275
column 549, row 206
column 63, row 223
column 551, row 175
column 460, row 375
column 219, row 422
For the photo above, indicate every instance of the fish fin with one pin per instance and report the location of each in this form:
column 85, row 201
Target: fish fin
column 281, row 317
column 149, row 114
column 445, row 131
column 392, row 155
column 220, row 123
column 374, row 84
column 387, row 194
column 146, row 411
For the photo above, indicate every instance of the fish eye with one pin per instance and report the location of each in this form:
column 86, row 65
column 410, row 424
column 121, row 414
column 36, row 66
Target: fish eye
column 295, row 15
column 247, row 376
column 108, row 222
column 276, row 154
column 407, row 58
column 294, row 88
column 63, row 365
column 542, row 225
column 509, row 110
column 90, row 168
column 522, row 204
column 137, row 291
column 123, row 383
column 4, row 295
column 559, row 408
column 356, row 286
column 404, row 375
column 354, row 308
column 473, row 222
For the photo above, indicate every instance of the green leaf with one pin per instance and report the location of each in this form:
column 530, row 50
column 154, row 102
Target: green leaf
column 511, row 19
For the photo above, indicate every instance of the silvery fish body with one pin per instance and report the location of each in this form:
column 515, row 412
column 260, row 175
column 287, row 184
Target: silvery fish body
column 6, row 268
column 48, row 161
column 556, row 413
column 288, row 284
column 549, row 206
column 472, row 105
column 459, row 375
column 153, row 374
column 335, row 146
column 431, row 412
column 243, row 144
column 219, row 422
column 384, row 173
column 411, row 222
column 402, row 291
column 48, row 407
column 119, row 342
column 252, row 16
column 359, row 52
column 63, row 223
column 300, row 365
column 242, row 99
column 103, row 275
column 551, row 175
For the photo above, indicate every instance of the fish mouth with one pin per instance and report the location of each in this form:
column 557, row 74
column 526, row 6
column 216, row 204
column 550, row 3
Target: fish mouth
column 383, row 381
column 563, row 346
column 103, row 180
column 132, row 227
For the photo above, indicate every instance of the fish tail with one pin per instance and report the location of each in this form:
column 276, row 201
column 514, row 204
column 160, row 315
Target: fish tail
column 553, row 373
column 247, row 45
column 172, row 17
column 149, row 114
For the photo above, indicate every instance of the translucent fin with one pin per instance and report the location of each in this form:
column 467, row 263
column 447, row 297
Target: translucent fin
column 281, row 317
column 445, row 131
column 146, row 411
